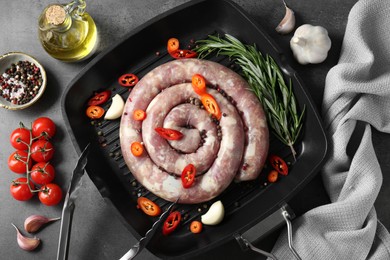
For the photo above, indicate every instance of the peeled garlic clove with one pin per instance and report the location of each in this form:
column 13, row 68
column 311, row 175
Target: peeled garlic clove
column 34, row 222
column 288, row 22
column 214, row 215
column 26, row 243
column 116, row 108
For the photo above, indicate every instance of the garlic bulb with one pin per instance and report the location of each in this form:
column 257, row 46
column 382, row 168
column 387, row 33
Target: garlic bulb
column 288, row 22
column 26, row 243
column 34, row 222
column 310, row 44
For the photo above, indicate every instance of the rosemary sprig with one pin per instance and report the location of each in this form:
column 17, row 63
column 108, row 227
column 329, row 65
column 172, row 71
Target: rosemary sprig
column 266, row 81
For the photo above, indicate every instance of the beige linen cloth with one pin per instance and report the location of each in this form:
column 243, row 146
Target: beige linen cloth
column 356, row 99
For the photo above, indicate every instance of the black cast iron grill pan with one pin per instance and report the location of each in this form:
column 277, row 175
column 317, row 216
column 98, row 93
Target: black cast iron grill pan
column 247, row 204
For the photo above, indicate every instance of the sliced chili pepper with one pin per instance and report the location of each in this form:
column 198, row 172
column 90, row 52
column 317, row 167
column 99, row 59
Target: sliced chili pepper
column 278, row 164
column 199, row 84
column 128, row 80
column 273, row 176
column 188, row 176
column 171, row 223
column 183, row 54
column 99, row 98
column 169, row 134
column 148, row 207
column 137, row 149
column 173, row 45
column 211, row 105
column 196, row 227
column 95, row 112
column 139, row 115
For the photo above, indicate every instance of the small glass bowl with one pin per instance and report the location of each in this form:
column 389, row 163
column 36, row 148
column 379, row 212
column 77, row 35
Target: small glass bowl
column 13, row 57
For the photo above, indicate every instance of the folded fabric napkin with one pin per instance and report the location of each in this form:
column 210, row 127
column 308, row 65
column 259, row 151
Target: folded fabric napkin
column 356, row 99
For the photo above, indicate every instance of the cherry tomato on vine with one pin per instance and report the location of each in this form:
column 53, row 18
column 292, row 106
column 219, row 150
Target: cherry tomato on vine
column 20, row 138
column 42, row 173
column 17, row 162
column 99, row 98
column 128, row 80
column 148, row 207
column 43, row 125
column 50, row 194
column 19, row 189
column 42, row 151
column 278, row 164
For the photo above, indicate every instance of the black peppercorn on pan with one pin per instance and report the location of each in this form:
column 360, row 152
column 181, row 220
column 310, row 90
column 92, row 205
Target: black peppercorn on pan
column 246, row 204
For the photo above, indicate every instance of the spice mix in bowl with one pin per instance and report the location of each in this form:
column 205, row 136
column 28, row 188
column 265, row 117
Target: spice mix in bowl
column 22, row 80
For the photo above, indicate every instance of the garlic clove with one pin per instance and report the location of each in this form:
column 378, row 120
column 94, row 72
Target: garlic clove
column 288, row 22
column 214, row 215
column 34, row 222
column 116, row 109
column 26, row 243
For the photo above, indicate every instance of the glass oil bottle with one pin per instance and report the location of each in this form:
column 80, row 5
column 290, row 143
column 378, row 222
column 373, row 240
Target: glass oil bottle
column 67, row 32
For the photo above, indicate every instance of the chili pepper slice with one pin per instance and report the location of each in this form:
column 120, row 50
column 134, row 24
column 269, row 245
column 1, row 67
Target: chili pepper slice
column 137, row 149
column 99, row 98
column 139, row 115
column 94, row 112
column 211, row 105
column 196, row 227
column 273, row 176
column 188, row 176
column 173, row 45
column 183, row 54
column 199, row 84
column 278, row 164
column 171, row 223
column 148, row 207
column 128, row 80
column 169, row 134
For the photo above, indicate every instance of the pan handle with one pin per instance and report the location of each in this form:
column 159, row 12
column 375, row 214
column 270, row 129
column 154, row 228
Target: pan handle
column 275, row 220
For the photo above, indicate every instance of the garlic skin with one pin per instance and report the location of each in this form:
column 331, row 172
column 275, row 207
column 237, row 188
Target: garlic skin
column 26, row 243
column 288, row 22
column 34, row 222
column 310, row 44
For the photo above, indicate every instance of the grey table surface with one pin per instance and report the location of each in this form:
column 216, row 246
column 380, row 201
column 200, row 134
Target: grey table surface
column 96, row 232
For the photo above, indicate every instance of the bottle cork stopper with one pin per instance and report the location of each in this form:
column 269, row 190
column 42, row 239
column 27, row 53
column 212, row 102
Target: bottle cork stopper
column 55, row 14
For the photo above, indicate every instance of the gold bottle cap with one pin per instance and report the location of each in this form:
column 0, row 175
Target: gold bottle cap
column 55, row 14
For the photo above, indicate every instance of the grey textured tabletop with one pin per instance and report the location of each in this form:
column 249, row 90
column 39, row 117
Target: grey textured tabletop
column 96, row 232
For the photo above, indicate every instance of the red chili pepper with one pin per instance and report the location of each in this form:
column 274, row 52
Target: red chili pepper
column 199, row 84
column 183, row 54
column 128, row 80
column 171, row 223
column 94, row 112
column 279, row 164
column 172, row 45
column 188, row 176
column 99, row 98
column 211, row 105
column 169, row 134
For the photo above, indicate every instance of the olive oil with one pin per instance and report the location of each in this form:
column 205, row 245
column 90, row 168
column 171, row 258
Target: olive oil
column 67, row 32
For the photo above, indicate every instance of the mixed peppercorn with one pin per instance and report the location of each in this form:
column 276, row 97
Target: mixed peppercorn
column 21, row 82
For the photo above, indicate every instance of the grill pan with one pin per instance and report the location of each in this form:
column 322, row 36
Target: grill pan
column 250, row 206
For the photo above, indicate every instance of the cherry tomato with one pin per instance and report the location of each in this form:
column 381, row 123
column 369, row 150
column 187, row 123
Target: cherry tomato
column 50, row 194
column 272, row 176
column 42, row 173
column 148, row 207
column 211, row 105
column 19, row 189
column 183, row 54
column 17, row 162
column 169, row 134
column 42, row 151
column 94, row 112
column 20, row 138
column 196, row 226
column 99, row 98
column 173, row 45
column 139, row 115
column 128, row 80
column 199, row 84
column 279, row 164
column 171, row 223
column 43, row 126
column 188, row 176
column 137, row 149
